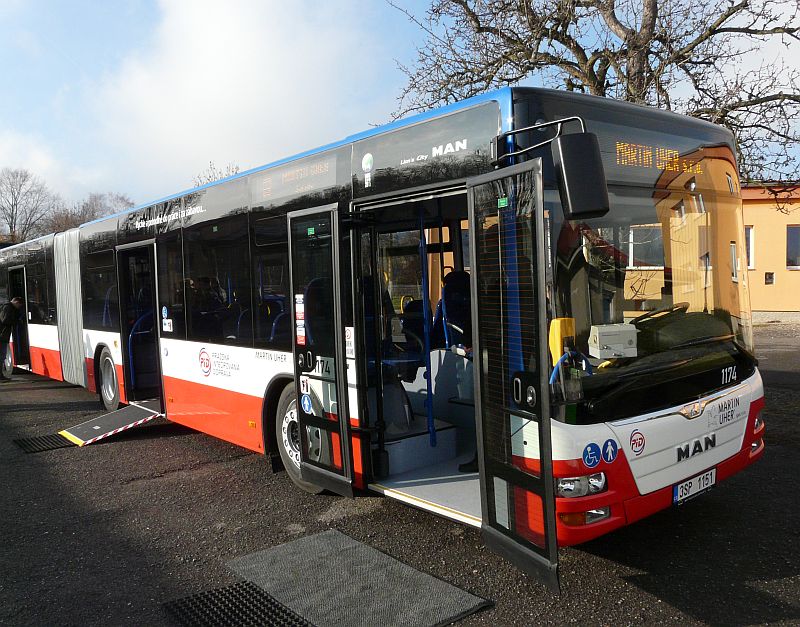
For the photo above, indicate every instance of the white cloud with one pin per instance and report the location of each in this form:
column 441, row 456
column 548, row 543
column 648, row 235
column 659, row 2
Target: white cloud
column 21, row 150
column 244, row 82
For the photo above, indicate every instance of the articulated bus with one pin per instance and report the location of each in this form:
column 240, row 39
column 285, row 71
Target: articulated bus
column 527, row 312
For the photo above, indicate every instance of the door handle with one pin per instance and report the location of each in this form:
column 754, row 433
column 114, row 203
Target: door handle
column 524, row 390
column 517, row 390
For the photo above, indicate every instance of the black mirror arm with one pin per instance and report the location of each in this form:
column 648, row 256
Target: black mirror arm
column 557, row 123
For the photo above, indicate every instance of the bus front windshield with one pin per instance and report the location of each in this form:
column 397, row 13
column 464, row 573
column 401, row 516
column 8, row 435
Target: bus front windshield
column 657, row 292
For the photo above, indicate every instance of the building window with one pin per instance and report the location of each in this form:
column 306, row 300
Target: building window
column 646, row 247
column 734, row 263
column 748, row 242
column 705, row 266
column 679, row 212
column 793, row 246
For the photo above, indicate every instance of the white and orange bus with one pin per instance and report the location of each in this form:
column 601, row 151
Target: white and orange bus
column 527, row 312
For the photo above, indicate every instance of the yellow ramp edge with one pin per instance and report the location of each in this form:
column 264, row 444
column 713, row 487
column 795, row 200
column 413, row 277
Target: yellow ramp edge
column 75, row 440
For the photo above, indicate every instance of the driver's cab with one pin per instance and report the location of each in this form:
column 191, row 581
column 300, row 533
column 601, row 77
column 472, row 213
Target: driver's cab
column 417, row 321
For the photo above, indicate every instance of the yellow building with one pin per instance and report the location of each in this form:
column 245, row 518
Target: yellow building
column 772, row 233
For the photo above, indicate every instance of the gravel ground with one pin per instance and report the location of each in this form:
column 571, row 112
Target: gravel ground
column 104, row 535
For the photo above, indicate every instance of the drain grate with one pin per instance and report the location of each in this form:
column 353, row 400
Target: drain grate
column 238, row 605
column 43, row 443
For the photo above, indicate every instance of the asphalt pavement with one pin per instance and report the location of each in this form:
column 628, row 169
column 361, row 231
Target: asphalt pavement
column 105, row 534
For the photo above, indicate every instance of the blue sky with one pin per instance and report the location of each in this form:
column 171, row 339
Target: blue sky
column 136, row 96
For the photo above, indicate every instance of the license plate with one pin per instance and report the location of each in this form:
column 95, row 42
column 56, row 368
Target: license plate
column 694, row 486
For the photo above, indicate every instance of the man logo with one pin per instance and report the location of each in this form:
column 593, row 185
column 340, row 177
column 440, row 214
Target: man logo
column 449, row 148
column 690, row 449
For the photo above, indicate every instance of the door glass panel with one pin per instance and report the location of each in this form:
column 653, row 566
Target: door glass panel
column 139, row 335
column 511, row 380
column 314, row 341
column 16, row 288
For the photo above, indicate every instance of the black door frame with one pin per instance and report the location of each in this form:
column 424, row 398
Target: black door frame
column 309, row 470
column 540, row 562
column 23, row 318
column 121, row 252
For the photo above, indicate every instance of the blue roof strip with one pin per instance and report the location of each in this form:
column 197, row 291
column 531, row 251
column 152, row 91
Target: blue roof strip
column 502, row 96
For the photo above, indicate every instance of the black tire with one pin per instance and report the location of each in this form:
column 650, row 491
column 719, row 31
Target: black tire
column 7, row 367
column 107, row 384
column 288, row 438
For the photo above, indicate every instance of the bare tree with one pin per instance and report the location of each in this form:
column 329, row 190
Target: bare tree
column 213, row 173
column 24, row 203
column 64, row 217
column 691, row 57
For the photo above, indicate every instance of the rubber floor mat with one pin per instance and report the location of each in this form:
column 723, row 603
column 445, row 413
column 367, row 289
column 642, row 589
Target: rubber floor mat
column 242, row 604
column 330, row 579
column 42, row 443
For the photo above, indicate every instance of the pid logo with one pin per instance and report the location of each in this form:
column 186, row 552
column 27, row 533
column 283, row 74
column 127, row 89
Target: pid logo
column 637, row 442
column 205, row 362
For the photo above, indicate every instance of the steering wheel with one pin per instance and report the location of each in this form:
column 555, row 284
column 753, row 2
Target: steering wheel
column 661, row 310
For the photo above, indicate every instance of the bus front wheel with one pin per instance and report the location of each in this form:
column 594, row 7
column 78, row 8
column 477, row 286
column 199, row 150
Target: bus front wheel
column 287, row 433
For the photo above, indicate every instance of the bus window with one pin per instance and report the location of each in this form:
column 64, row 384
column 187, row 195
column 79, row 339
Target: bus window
column 271, row 313
column 37, row 295
column 100, row 306
column 217, row 280
column 171, row 287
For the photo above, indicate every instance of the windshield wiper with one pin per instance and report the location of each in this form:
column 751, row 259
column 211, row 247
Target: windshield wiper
column 653, row 369
column 618, row 385
column 703, row 340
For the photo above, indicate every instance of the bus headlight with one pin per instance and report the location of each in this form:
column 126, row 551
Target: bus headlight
column 581, row 486
column 758, row 423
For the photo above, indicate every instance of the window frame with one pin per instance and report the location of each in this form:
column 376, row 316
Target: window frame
column 631, row 247
column 788, row 266
column 750, row 251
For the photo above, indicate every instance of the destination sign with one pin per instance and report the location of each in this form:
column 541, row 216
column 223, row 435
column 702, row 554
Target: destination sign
column 658, row 157
column 301, row 177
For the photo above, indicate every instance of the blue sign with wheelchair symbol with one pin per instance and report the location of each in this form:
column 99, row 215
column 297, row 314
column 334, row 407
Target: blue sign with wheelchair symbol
column 305, row 403
column 591, row 455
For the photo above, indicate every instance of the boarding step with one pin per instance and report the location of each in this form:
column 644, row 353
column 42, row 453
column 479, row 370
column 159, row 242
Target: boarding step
column 104, row 426
column 415, row 451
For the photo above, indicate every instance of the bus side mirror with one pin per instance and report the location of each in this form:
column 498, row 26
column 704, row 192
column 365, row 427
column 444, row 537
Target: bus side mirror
column 581, row 177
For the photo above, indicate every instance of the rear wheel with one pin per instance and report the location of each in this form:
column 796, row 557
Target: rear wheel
column 287, row 432
column 7, row 367
column 107, row 384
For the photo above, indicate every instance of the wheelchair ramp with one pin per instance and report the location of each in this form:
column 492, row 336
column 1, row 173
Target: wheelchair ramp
column 110, row 424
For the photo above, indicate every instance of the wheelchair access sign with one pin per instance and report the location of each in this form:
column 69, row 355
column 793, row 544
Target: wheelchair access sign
column 591, row 455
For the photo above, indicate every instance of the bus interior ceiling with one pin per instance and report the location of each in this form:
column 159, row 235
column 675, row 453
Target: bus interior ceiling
column 415, row 274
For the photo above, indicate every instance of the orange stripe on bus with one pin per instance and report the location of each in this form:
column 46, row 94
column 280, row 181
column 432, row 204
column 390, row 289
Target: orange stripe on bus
column 222, row 413
column 46, row 362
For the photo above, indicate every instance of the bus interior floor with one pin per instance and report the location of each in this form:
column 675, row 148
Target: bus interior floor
column 438, row 488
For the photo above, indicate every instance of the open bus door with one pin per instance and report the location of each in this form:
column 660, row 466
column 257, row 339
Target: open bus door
column 319, row 362
column 511, row 365
column 136, row 277
column 19, row 337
